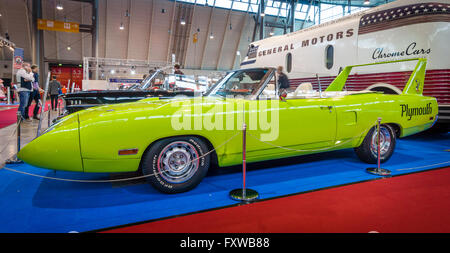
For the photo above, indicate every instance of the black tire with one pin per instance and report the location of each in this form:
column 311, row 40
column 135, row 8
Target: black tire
column 171, row 172
column 367, row 152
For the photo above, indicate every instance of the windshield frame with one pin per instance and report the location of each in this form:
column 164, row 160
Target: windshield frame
column 255, row 93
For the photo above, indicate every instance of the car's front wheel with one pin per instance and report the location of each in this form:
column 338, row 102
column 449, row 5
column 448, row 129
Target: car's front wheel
column 176, row 164
column 368, row 151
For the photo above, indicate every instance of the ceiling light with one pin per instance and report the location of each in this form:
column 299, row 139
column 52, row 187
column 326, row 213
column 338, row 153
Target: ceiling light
column 112, row 71
column 182, row 22
column 133, row 71
column 271, row 33
column 211, row 36
column 59, row 6
column 69, row 48
column 366, row 2
column 263, row 14
column 121, row 26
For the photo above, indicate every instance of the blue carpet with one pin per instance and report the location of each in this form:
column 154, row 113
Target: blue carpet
column 30, row 204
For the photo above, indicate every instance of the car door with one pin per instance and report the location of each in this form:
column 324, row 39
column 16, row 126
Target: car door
column 301, row 124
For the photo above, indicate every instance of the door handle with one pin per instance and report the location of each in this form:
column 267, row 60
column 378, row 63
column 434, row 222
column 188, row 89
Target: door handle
column 325, row 107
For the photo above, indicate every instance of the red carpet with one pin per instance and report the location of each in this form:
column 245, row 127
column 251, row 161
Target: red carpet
column 414, row 203
column 9, row 116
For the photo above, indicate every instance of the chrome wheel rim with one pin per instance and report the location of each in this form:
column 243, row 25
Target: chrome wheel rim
column 178, row 162
column 385, row 142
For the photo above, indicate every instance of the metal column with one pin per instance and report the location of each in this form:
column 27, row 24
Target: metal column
column 262, row 7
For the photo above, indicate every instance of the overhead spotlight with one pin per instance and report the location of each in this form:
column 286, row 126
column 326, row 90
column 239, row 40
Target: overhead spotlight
column 112, row 71
column 69, row 48
column 211, row 36
column 271, row 33
column 59, row 6
column 133, row 71
column 121, row 27
column 238, row 53
column 366, row 2
column 0, row 14
column 262, row 14
column 182, row 22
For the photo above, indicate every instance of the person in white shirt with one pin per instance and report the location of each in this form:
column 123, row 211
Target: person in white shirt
column 24, row 78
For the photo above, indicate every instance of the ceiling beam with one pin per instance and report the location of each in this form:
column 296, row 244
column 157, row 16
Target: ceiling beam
column 244, row 21
column 152, row 14
column 223, row 38
column 171, row 34
column 129, row 7
column 205, row 46
column 191, row 21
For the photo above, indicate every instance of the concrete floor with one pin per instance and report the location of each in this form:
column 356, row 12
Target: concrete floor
column 8, row 136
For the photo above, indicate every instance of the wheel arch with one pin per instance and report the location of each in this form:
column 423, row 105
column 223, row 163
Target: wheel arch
column 214, row 159
column 391, row 89
column 397, row 129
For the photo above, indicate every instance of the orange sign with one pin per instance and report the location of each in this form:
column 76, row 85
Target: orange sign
column 60, row 26
column 195, row 38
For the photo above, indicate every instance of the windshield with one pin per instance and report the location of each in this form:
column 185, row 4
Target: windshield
column 240, row 82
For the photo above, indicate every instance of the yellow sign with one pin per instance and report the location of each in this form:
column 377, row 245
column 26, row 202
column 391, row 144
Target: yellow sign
column 195, row 38
column 60, row 26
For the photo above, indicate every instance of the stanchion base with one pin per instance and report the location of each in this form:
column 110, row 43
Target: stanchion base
column 378, row 172
column 250, row 195
column 13, row 160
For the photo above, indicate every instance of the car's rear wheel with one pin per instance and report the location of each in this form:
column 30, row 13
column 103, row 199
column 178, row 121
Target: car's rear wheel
column 368, row 151
column 176, row 164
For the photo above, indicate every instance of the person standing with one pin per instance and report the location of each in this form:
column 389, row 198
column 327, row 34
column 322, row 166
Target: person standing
column 177, row 70
column 53, row 89
column 2, row 94
column 24, row 78
column 35, row 94
column 283, row 81
column 7, row 84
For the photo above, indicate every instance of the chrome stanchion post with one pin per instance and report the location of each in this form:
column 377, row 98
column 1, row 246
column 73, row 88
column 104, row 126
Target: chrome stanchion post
column 49, row 110
column 244, row 194
column 378, row 170
column 59, row 106
column 14, row 159
column 8, row 94
column 44, row 102
column 320, row 86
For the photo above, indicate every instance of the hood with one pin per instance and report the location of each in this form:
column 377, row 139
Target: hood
column 146, row 106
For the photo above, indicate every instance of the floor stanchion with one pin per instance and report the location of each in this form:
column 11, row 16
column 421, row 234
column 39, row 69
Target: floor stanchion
column 14, row 159
column 378, row 170
column 59, row 106
column 244, row 194
column 44, row 102
column 8, row 94
column 49, row 110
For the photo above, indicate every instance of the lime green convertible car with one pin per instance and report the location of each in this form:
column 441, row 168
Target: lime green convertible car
column 175, row 141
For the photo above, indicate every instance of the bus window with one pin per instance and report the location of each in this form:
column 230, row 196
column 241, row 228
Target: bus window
column 289, row 62
column 329, row 56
